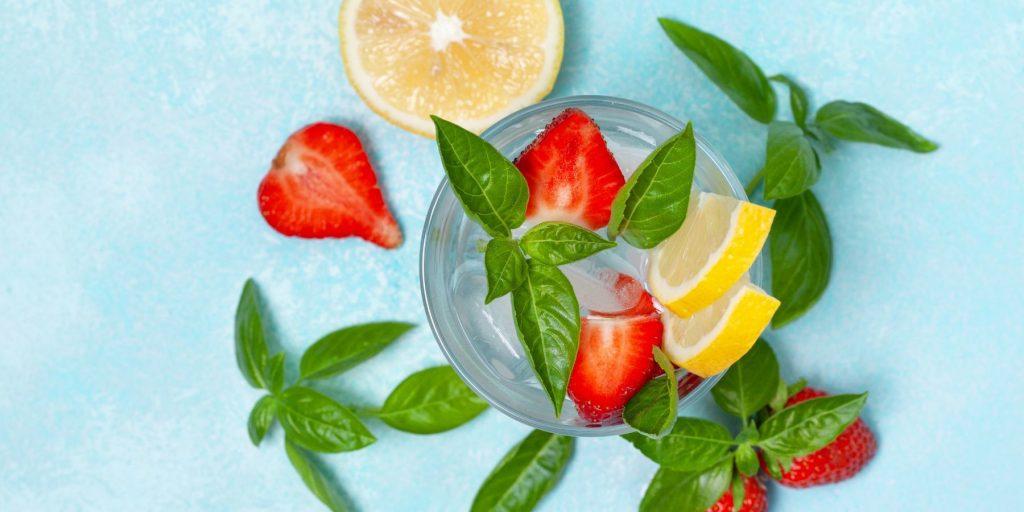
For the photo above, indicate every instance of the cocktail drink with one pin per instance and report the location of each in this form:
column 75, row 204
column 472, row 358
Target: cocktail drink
column 481, row 340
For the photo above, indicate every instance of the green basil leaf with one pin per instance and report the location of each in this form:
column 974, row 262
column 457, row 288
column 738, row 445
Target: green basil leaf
column 547, row 318
column 687, row 491
column 558, row 243
column 274, row 373
column 808, row 426
column 652, row 204
column 431, row 401
column 790, row 166
column 316, row 422
column 728, row 67
column 492, row 191
column 316, row 480
column 750, row 383
column 250, row 336
column 796, row 387
column 505, row 266
column 798, row 101
column 739, row 491
column 860, row 122
column 260, row 418
column 525, row 474
column 746, row 460
column 346, row 348
column 772, row 465
column 778, row 401
column 801, row 251
column 653, row 409
column 692, row 445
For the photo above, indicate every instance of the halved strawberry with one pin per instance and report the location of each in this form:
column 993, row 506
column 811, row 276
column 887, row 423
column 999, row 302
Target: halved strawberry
column 631, row 295
column 321, row 185
column 614, row 361
column 572, row 175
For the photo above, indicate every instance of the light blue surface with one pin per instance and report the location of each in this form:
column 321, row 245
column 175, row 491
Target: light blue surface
column 134, row 134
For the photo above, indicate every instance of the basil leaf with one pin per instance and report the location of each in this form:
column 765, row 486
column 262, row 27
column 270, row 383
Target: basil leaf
column 274, row 373
column 739, row 492
column 314, row 478
column 687, row 491
column 750, row 383
column 652, row 204
column 558, row 243
column 316, row 422
column 772, row 465
column 506, row 267
column 694, row 444
column 808, row 426
column 547, row 318
column 260, row 418
column 525, row 474
column 729, row 68
column 798, row 102
column 796, row 387
column 431, row 401
column 778, row 401
column 746, row 460
column 790, row 166
column 801, row 251
column 653, row 409
column 346, row 348
column 492, row 191
column 860, row 122
column 250, row 337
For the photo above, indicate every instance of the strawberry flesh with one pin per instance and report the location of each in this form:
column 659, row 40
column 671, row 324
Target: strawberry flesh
column 321, row 185
column 572, row 175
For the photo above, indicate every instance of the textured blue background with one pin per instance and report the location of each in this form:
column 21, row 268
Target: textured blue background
column 133, row 136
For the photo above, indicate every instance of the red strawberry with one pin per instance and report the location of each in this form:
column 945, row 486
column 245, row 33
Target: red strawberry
column 321, row 185
column 613, row 362
column 837, row 461
column 631, row 294
column 571, row 174
column 755, row 498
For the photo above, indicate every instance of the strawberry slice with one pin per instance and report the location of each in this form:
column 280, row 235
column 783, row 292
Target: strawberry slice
column 321, row 185
column 571, row 174
column 631, row 294
column 614, row 361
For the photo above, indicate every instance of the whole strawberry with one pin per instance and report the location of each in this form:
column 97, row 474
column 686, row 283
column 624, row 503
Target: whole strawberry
column 837, row 461
column 755, row 498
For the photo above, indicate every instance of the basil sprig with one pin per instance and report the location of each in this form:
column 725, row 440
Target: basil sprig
column 792, row 163
column 526, row 473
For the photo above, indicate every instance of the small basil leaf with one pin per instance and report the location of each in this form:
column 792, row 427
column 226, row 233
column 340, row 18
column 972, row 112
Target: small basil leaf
column 547, row 318
column 525, row 474
column 796, row 387
column 346, row 348
column 274, row 373
column 790, row 166
column 250, row 336
column 558, row 243
column 739, row 491
column 750, row 383
column 687, row 491
column 772, row 465
column 653, row 409
column 820, row 136
column 492, row 191
column 808, row 426
column 315, row 479
column 316, row 422
column 860, row 122
column 728, row 67
column 260, row 419
column 778, row 401
column 505, row 266
column 431, row 401
column 798, row 102
column 801, row 252
column 692, row 445
column 746, row 460
column 652, row 204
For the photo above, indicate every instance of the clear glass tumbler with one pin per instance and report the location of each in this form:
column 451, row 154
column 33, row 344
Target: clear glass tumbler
column 480, row 341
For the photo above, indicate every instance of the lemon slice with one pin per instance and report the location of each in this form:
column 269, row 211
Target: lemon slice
column 715, row 337
column 715, row 246
column 470, row 62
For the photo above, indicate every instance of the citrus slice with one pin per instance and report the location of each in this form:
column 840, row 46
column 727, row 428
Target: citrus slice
column 471, row 63
column 715, row 337
column 717, row 243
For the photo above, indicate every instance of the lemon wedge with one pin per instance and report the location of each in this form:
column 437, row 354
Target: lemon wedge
column 471, row 63
column 716, row 245
column 714, row 338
